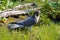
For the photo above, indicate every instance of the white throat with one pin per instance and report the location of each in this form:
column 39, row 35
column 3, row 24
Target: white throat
column 37, row 19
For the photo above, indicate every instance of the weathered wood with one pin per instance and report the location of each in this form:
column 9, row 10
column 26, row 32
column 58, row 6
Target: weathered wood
column 13, row 12
column 20, row 7
column 8, row 13
column 16, row 11
column 25, row 5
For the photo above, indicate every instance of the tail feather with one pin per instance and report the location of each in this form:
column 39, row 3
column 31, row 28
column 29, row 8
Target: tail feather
column 14, row 26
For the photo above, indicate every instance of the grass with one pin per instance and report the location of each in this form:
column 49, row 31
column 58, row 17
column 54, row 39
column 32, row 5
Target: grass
column 42, row 32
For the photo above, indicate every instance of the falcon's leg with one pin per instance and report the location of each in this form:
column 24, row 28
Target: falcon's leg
column 30, row 28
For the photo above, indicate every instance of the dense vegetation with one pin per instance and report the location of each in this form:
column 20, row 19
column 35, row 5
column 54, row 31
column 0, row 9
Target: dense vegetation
column 48, row 27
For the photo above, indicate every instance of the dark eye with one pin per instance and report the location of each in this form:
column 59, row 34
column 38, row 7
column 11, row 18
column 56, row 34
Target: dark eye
column 37, row 14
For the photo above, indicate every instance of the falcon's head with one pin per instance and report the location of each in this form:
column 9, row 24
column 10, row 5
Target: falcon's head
column 37, row 15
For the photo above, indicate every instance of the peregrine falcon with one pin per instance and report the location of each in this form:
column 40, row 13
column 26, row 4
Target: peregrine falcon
column 25, row 23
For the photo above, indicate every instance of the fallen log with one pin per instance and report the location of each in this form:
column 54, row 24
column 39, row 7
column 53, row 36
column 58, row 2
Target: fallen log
column 21, row 7
column 9, row 13
column 25, row 5
column 13, row 12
